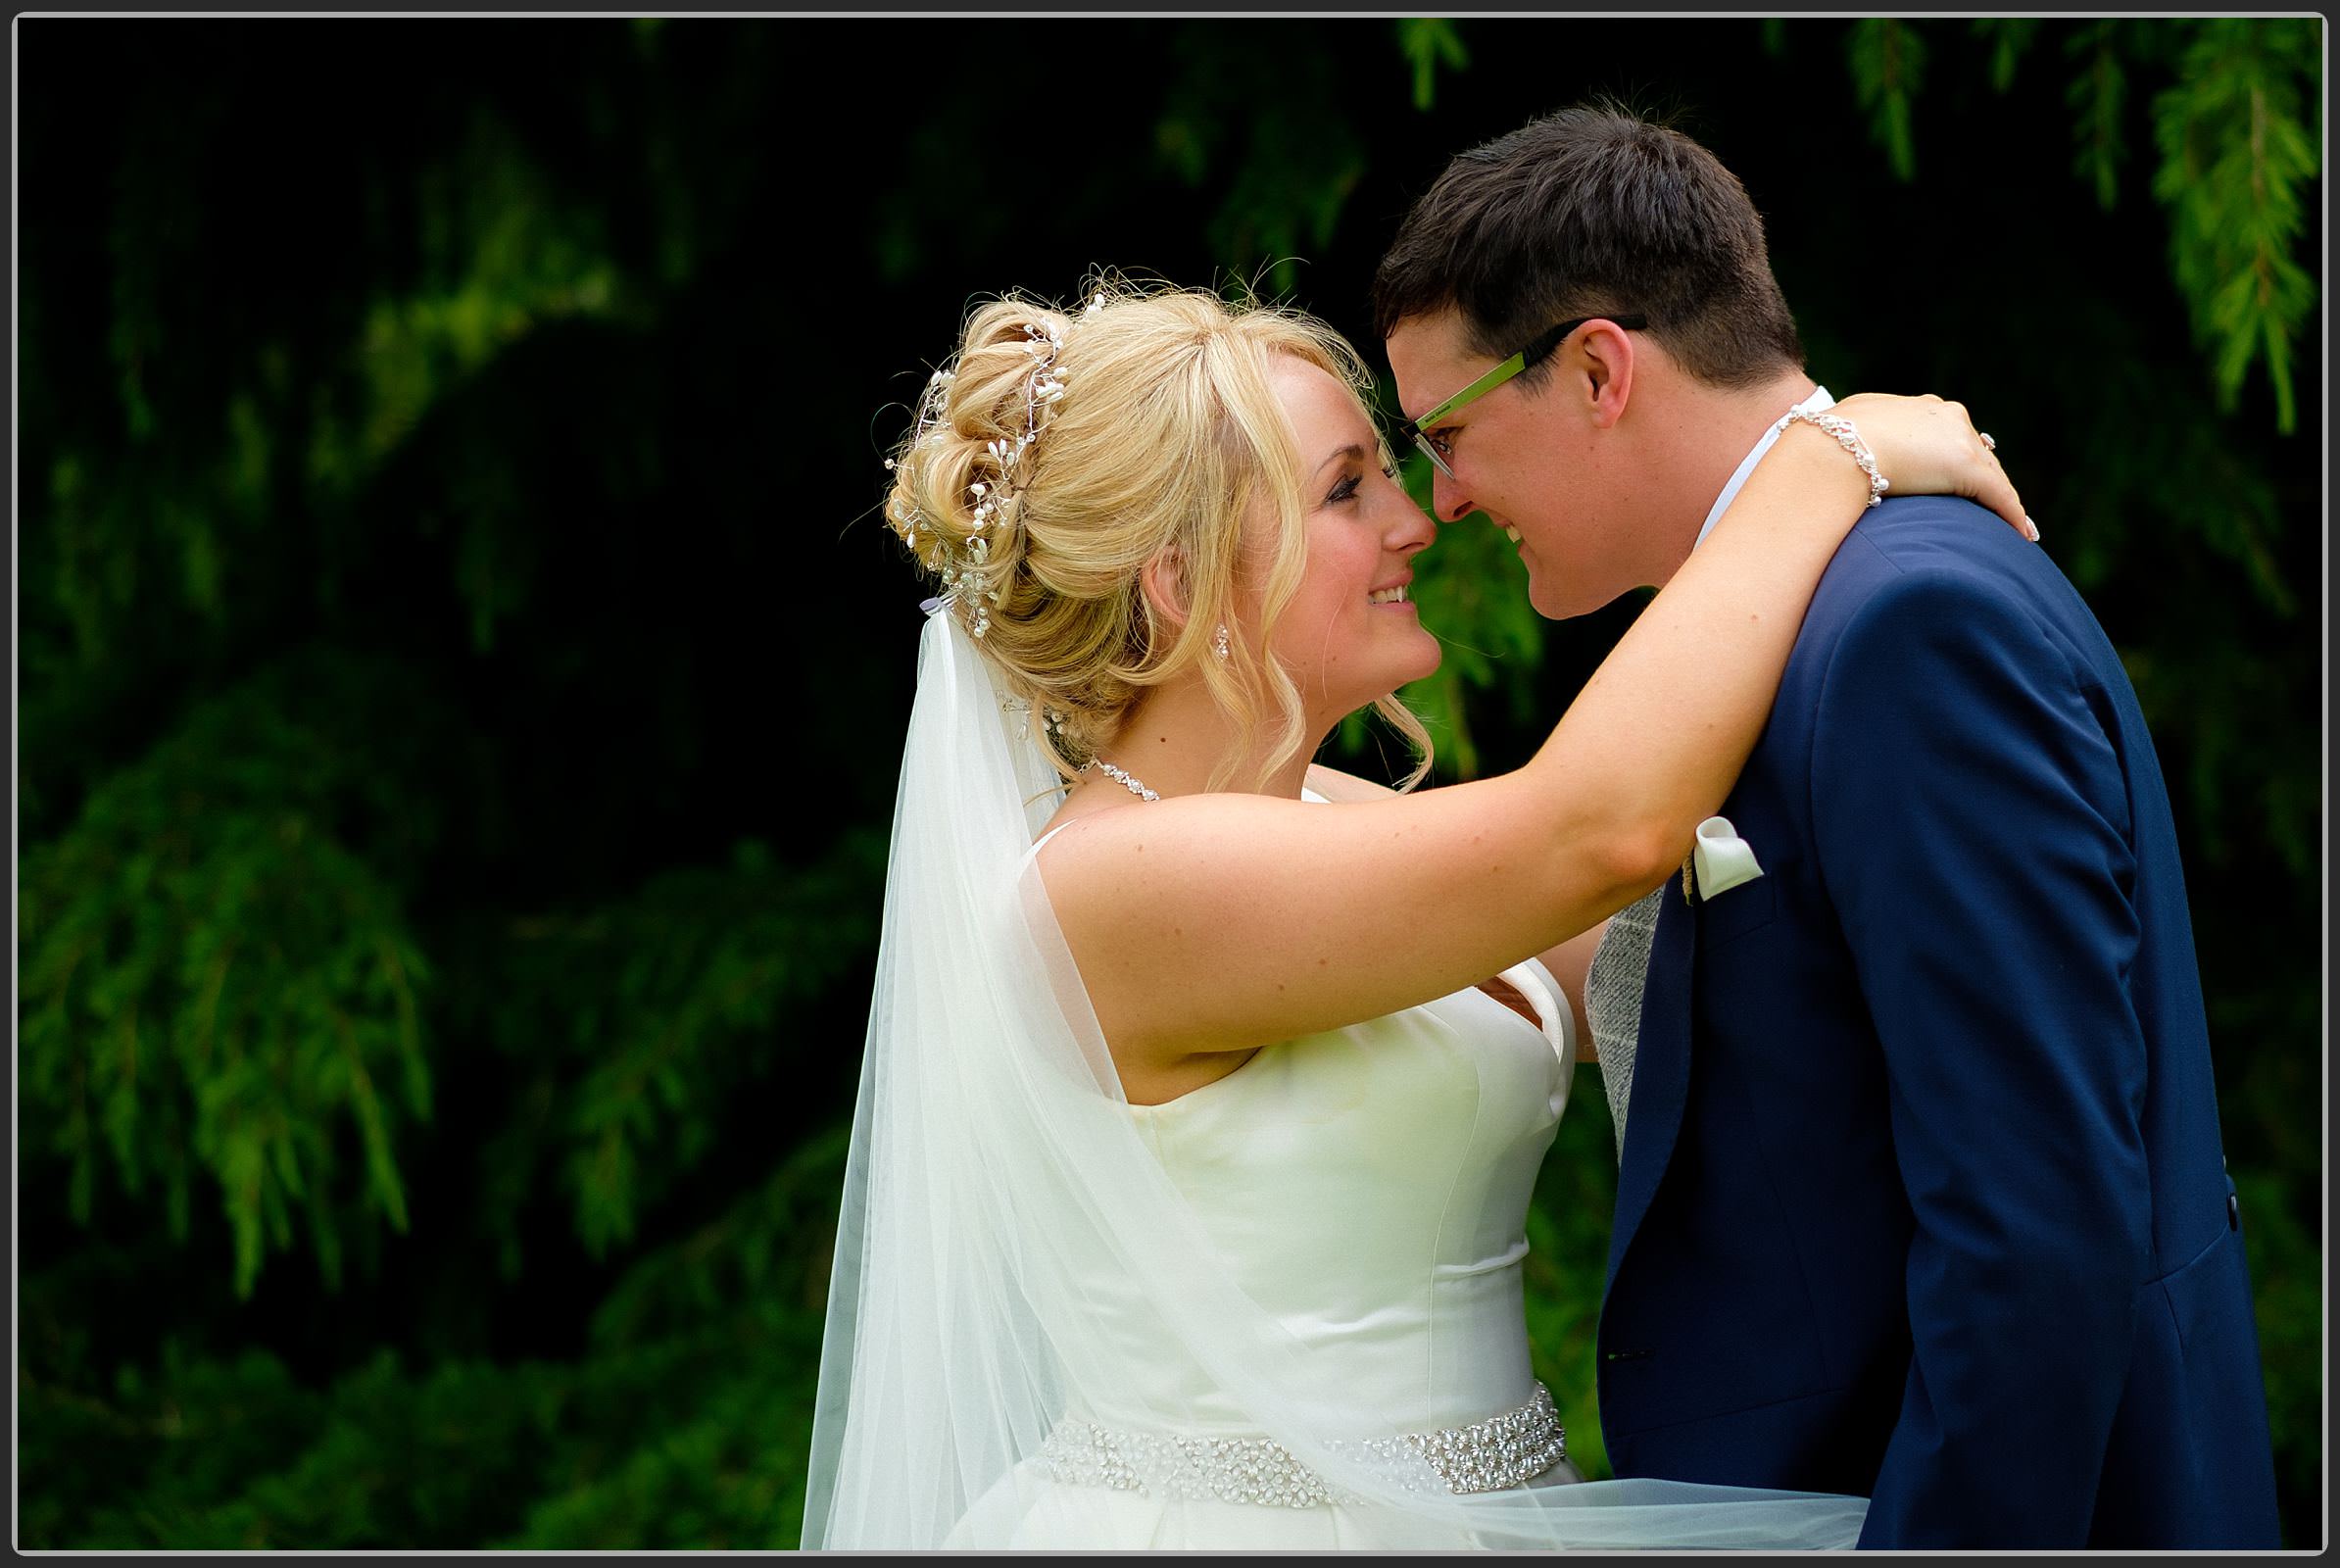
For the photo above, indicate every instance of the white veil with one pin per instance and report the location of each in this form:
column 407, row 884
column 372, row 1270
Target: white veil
column 1010, row 1250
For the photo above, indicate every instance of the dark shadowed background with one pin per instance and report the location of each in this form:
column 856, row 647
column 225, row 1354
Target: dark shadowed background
column 462, row 672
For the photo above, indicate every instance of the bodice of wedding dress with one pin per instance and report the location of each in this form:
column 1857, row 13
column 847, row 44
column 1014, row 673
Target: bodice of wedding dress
column 1368, row 1188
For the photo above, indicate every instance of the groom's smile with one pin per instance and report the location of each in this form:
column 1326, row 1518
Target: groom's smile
column 1527, row 451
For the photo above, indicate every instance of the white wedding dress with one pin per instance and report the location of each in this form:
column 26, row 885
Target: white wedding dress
column 1280, row 1311
column 1369, row 1188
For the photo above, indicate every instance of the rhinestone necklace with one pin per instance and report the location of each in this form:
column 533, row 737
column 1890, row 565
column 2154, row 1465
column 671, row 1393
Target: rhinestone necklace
column 1134, row 786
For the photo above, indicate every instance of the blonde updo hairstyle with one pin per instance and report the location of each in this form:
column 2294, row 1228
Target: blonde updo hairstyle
column 1166, row 433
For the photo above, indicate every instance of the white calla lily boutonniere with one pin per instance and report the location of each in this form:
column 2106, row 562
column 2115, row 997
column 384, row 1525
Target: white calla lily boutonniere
column 1722, row 859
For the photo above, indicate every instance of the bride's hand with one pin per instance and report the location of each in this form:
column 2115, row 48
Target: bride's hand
column 1925, row 446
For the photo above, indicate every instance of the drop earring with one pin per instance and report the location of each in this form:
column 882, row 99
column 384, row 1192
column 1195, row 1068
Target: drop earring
column 1219, row 644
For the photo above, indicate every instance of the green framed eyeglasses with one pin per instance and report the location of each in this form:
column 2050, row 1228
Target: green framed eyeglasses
column 1543, row 346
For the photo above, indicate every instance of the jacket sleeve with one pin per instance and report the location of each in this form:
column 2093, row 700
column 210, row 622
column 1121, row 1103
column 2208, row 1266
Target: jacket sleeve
column 1973, row 829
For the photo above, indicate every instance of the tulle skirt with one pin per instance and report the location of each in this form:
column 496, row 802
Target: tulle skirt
column 1029, row 1510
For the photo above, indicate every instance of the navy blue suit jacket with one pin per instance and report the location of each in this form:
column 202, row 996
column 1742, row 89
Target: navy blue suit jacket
column 1922, row 1195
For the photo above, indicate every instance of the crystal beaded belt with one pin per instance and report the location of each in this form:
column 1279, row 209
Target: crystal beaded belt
column 1503, row 1451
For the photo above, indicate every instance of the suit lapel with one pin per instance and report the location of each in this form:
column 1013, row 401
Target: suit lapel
column 1661, row 1069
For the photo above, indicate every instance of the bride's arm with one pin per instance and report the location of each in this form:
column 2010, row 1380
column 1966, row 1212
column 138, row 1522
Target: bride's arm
column 1223, row 921
column 1336, row 786
column 1567, row 964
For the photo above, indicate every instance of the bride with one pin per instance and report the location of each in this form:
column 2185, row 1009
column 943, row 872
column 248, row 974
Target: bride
column 1200, row 1108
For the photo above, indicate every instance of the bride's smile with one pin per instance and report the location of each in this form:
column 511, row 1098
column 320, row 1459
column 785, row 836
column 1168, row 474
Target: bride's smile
column 1352, row 632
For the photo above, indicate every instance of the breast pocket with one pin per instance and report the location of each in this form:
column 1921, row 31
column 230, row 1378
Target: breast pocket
column 1731, row 914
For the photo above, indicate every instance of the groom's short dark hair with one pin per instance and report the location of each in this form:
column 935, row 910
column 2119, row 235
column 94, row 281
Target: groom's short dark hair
column 1594, row 211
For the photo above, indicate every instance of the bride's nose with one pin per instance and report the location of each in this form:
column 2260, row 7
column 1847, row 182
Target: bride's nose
column 1410, row 527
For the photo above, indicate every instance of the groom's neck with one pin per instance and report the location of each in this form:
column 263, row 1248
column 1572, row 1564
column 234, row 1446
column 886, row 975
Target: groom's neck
column 1707, row 432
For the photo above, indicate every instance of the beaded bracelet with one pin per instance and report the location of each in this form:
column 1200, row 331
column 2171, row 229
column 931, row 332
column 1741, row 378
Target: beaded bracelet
column 1846, row 437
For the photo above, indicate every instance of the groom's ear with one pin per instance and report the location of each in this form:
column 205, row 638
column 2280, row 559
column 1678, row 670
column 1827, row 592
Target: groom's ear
column 1604, row 367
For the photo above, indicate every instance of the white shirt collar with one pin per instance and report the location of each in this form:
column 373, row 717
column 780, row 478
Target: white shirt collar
column 1818, row 401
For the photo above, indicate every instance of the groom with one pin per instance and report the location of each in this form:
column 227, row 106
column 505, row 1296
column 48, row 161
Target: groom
column 1922, row 1195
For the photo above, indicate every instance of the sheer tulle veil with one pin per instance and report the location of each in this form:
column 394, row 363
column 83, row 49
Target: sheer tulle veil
column 1009, row 1249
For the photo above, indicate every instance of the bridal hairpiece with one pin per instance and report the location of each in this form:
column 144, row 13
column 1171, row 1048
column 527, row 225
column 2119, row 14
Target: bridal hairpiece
column 961, row 569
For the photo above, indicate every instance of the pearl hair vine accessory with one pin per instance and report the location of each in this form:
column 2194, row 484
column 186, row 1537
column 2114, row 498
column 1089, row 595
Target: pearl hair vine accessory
column 962, row 569
column 1052, row 719
column 1848, row 438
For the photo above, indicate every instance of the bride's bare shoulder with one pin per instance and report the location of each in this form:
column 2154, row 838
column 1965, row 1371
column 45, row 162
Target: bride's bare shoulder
column 1075, row 823
column 1090, row 849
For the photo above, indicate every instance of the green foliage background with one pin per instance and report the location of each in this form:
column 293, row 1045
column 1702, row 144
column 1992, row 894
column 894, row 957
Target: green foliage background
column 462, row 673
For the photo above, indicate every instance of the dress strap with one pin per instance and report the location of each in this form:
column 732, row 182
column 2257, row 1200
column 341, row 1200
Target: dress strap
column 1543, row 994
column 1043, row 837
